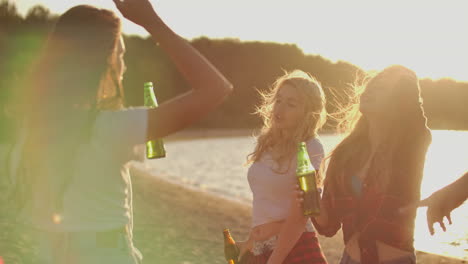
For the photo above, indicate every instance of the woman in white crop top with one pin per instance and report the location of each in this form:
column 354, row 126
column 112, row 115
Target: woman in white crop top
column 292, row 112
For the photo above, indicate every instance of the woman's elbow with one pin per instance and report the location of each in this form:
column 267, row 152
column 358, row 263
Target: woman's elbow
column 226, row 89
column 229, row 87
column 218, row 95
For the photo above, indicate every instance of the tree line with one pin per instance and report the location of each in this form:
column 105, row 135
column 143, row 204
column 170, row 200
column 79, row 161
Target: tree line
column 251, row 66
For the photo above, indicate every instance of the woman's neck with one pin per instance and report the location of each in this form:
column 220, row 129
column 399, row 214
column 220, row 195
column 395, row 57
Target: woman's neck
column 278, row 146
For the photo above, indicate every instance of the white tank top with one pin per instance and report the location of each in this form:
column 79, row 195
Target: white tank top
column 272, row 186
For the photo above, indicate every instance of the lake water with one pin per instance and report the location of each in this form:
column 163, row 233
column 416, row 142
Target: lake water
column 216, row 165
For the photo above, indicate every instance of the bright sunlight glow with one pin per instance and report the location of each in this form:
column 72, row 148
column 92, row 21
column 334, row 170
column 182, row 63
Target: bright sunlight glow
column 427, row 36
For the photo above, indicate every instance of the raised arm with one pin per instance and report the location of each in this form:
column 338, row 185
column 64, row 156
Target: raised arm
column 209, row 86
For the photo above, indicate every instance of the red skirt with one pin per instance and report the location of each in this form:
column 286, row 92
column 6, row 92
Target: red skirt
column 306, row 251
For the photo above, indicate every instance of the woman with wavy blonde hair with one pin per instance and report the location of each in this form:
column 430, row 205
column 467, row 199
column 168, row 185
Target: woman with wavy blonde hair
column 292, row 112
column 377, row 169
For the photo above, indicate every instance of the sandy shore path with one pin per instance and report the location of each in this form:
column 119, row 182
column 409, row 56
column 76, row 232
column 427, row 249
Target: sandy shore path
column 177, row 225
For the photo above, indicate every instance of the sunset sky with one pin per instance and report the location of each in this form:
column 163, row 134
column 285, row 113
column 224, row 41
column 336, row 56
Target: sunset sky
column 428, row 36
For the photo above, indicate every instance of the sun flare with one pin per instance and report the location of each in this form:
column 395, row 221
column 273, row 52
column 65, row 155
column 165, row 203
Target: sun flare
column 426, row 36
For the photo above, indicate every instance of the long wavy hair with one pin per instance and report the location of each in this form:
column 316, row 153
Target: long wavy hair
column 74, row 78
column 398, row 163
column 314, row 115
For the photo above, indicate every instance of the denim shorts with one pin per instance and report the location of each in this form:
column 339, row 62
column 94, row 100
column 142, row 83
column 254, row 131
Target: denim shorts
column 410, row 259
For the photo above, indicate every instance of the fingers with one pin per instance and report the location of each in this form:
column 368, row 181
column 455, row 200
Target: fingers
column 298, row 190
column 122, row 4
column 408, row 208
column 430, row 225
column 300, row 201
column 449, row 218
column 122, row 1
column 423, row 203
column 413, row 206
column 437, row 217
column 442, row 225
column 299, row 196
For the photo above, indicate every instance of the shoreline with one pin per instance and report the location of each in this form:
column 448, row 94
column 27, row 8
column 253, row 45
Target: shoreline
column 176, row 224
column 189, row 134
column 196, row 133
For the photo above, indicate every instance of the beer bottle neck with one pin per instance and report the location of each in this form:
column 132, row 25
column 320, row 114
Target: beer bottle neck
column 228, row 238
column 304, row 165
column 149, row 97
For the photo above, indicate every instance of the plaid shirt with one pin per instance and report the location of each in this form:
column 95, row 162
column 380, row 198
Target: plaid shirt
column 374, row 214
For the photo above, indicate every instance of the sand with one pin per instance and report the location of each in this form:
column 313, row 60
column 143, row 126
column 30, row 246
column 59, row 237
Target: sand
column 178, row 225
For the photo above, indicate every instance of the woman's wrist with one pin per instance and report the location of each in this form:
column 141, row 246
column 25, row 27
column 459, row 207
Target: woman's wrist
column 153, row 23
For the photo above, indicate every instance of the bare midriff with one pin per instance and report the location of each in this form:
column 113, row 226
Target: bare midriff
column 385, row 251
column 265, row 231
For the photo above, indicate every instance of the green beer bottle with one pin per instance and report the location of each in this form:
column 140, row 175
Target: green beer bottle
column 306, row 176
column 231, row 251
column 154, row 148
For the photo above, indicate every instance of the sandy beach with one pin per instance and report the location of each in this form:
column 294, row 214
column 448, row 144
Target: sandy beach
column 178, row 225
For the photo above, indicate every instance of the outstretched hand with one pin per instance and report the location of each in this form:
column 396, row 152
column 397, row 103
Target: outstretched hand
column 438, row 207
column 441, row 203
column 140, row 12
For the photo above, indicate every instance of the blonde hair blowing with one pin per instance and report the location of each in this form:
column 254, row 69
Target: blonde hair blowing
column 284, row 144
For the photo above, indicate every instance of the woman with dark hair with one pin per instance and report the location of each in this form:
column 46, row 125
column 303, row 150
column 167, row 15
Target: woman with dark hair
column 376, row 170
column 73, row 187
